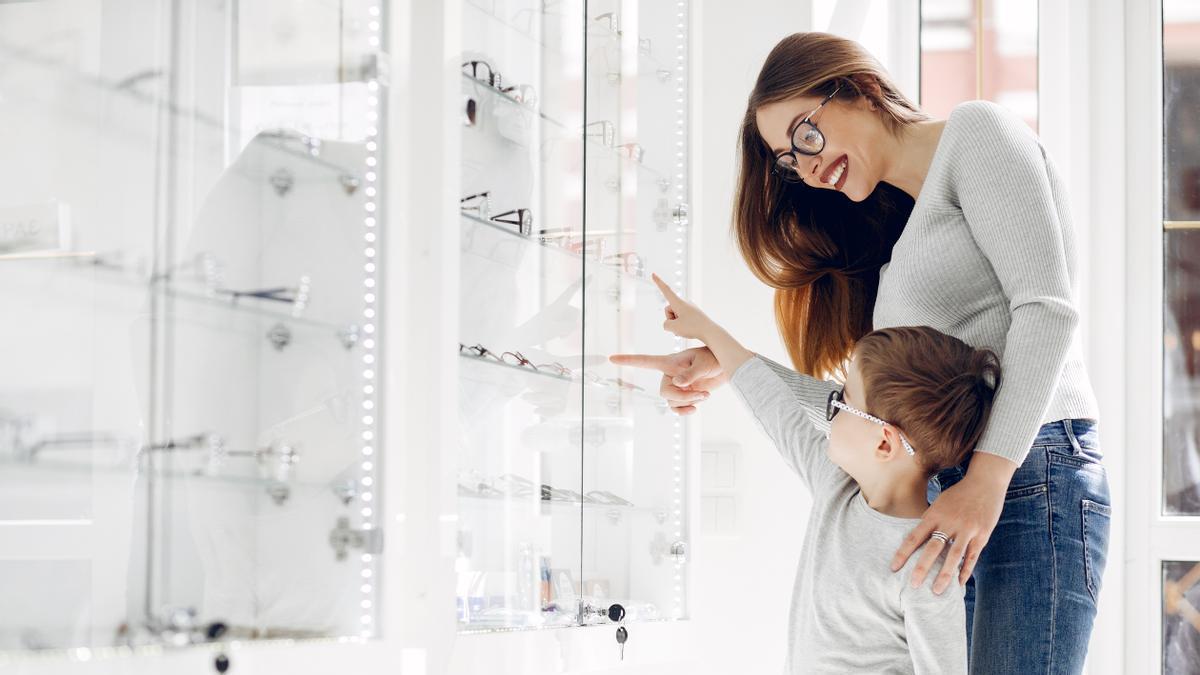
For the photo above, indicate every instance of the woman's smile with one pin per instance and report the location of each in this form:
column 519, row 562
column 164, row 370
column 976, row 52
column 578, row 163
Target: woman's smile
column 835, row 175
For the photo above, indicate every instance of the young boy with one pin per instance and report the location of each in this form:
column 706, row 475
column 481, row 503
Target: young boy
column 915, row 401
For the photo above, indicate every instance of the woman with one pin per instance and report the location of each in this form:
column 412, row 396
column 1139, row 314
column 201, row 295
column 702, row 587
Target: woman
column 863, row 212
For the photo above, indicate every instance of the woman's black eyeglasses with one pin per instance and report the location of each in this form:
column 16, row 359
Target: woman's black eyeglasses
column 806, row 139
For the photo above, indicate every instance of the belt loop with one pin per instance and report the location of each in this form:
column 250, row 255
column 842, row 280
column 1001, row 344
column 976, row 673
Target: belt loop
column 1069, row 427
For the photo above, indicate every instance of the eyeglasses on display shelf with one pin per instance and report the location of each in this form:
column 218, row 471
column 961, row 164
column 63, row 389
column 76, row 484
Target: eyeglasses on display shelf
column 484, row 73
column 518, row 360
column 563, row 454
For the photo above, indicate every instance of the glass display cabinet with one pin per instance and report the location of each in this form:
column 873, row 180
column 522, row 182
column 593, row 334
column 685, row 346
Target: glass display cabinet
column 571, row 477
column 188, row 235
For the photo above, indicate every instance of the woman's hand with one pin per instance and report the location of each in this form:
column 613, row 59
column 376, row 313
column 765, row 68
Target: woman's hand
column 966, row 512
column 689, row 376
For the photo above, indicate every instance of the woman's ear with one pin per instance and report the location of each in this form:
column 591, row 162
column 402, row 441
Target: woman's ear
column 868, row 89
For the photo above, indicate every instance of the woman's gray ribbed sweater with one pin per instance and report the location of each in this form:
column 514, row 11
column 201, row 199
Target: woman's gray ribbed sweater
column 988, row 256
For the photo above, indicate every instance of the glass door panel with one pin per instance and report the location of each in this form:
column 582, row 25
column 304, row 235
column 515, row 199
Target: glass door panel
column 635, row 539
column 521, row 315
column 187, row 424
column 80, row 169
column 1181, row 315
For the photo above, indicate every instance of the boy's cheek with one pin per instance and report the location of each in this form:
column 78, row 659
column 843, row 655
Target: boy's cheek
column 842, row 444
column 834, row 448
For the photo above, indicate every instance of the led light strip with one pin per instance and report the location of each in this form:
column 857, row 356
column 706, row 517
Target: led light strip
column 681, row 240
column 366, row 493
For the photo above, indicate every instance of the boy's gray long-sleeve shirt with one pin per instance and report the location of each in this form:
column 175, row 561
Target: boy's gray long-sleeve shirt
column 850, row 613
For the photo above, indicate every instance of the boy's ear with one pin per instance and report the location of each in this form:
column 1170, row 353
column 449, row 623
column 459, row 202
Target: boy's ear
column 889, row 444
column 883, row 450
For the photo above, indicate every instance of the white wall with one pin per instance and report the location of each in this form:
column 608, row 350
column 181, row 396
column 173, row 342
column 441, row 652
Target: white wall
column 743, row 580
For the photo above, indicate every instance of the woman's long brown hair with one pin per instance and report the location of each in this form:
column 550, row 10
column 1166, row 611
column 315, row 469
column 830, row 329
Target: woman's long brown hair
column 818, row 249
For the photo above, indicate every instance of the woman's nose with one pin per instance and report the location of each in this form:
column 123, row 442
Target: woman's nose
column 809, row 173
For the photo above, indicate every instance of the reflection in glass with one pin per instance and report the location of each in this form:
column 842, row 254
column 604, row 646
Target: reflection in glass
column 1181, row 110
column 1181, row 617
column 187, row 446
column 78, row 168
column 1181, row 362
column 888, row 29
column 948, row 54
column 1181, row 292
column 967, row 55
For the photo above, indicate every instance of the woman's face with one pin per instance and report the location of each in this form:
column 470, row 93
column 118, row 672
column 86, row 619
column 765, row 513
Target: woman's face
column 850, row 162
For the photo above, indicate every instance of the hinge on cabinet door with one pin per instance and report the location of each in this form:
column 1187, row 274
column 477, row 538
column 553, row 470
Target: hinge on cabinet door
column 349, row 335
column 279, row 336
column 679, row 551
column 681, row 214
column 343, row 538
column 282, row 181
column 350, row 184
column 375, row 67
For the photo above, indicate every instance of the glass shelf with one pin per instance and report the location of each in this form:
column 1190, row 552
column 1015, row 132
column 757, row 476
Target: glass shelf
column 85, row 268
column 57, row 466
column 592, row 265
column 563, row 131
column 260, row 308
column 138, row 91
column 514, row 380
column 538, row 505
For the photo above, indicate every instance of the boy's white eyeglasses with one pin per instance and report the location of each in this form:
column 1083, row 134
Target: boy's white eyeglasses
column 835, row 403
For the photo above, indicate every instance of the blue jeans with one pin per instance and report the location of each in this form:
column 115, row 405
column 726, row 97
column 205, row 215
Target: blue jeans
column 1031, row 600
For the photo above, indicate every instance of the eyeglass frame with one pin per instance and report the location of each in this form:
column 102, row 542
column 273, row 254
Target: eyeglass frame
column 835, row 403
column 480, row 202
column 524, row 94
column 522, row 218
column 780, row 171
column 521, row 361
column 494, row 78
column 629, row 261
column 555, row 369
column 479, row 351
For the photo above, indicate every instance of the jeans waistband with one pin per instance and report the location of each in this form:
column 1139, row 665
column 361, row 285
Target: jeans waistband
column 1066, row 432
